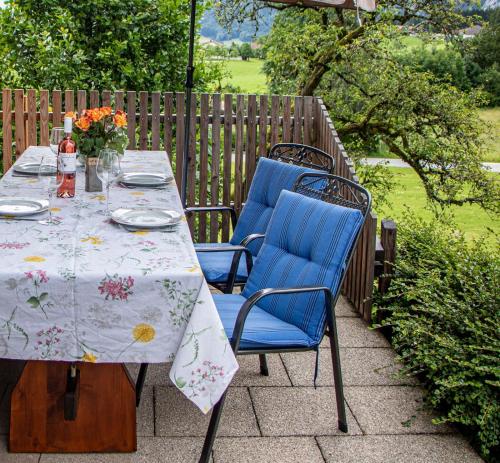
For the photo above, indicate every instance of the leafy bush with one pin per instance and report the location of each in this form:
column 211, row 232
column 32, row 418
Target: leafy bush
column 444, row 311
column 445, row 63
column 96, row 44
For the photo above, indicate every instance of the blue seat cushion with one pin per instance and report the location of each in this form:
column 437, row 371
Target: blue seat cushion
column 216, row 265
column 270, row 178
column 262, row 330
column 307, row 243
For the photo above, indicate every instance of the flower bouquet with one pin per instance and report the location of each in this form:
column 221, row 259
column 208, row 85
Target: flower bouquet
column 98, row 128
column 94, row 130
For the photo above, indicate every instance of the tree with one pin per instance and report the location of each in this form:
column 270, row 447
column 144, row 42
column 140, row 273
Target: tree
column 482, row 57
column 246, row 51
column 372, row 96
column 127, row 44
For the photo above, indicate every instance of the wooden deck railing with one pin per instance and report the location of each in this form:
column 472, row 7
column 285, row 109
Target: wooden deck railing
column 229, row 133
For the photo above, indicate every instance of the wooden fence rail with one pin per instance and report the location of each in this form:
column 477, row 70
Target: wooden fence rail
column 229, row 133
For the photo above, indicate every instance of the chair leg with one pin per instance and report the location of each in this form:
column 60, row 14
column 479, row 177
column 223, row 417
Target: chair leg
column 212, row 430
column 263, row 365
column 141, row 377
column 337, row 373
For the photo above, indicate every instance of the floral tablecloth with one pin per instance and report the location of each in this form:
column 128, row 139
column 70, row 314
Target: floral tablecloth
column 88, row 290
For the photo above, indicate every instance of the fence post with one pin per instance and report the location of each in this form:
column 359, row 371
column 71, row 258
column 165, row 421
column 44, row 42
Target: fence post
column 388, row 241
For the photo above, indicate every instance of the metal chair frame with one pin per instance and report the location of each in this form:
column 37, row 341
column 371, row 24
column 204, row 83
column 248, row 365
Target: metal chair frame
column 292, row 153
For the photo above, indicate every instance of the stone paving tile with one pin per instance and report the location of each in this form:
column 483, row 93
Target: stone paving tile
column 391, row 410
column 344, row 309
column 177, row 416
column 360, row 367
column 157, row 374
column 397, row 449
column 145, row 413
column 16, row 457
column 267, row 450
column 354, row 332
column 249, row 372
column 299, row 411
column 149, row 450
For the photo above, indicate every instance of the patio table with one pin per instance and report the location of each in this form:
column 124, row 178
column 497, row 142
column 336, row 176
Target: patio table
column 91, row 292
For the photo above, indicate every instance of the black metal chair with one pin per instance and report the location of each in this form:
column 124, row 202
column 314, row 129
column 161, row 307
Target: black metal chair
column 288, row 302
column 304, row 155
column 221, row 263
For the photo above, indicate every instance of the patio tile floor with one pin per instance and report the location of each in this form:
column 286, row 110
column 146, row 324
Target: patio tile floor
column 282, row 418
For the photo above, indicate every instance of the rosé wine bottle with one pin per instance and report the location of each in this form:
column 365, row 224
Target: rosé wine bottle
column 66, row 161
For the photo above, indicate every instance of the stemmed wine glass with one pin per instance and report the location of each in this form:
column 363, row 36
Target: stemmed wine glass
column 51, row 181
column 108, row 169
column 56, row 135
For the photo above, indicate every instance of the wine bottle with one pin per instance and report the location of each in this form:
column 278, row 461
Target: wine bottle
column 66, row 161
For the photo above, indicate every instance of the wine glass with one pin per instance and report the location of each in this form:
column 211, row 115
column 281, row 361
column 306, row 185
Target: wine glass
column 108, row 169
column 51, row 181
column 56, row 135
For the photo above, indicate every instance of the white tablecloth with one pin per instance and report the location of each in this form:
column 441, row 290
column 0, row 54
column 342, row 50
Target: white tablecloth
column 88, row 290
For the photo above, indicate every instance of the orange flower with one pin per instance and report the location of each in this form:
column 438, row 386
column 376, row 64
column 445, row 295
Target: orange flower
column 70, row 114
column 106, row 110
column 120, row 119
column 83, row 123
column 94, row 114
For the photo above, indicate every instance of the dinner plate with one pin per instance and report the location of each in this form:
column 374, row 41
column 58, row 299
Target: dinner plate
column 32, row 168
column 144, row 179
column 17, row 207
column 143, row 217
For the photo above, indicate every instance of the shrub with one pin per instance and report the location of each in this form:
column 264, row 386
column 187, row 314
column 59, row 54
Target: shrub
column 444, row 312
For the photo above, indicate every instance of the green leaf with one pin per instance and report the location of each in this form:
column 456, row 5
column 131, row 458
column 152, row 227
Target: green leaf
column 34, row 302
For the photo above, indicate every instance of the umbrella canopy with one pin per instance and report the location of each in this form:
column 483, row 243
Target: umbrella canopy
column 367, row 5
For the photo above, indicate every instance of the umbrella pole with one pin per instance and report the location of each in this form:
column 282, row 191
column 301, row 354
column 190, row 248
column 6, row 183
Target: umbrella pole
column 189, row 91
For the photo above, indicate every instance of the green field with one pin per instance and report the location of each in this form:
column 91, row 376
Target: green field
column 409, row 193
column 492, row 115
column 247, row 75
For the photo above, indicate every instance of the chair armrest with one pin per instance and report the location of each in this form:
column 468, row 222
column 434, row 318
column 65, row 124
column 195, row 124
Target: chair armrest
column 248, row 239
column 222, row 209
column 257, row 296
column 238, row 251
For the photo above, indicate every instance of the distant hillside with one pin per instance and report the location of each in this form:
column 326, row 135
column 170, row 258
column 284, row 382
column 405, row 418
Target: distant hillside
column 245, row 32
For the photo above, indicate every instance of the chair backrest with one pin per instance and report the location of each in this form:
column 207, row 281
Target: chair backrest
column 270, row 178
column 303, row 155
column 308, row 243
column 334, row 189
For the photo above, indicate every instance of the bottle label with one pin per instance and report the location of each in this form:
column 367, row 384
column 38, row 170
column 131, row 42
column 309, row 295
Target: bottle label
column 68, row 125
column 67, row 163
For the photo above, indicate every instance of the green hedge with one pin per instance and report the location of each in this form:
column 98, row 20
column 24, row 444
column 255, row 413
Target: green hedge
column 443, row 309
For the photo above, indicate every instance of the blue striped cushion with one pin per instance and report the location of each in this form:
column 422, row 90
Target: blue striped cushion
column 270, row 178
column 307, row 243
column 262, row 330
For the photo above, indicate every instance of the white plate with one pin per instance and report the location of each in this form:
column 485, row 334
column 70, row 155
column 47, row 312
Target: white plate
column 31, row 168
column 144, row 179
column 143, row 217
column 17, row 207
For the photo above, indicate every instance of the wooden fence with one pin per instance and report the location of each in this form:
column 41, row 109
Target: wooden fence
column 228, row 134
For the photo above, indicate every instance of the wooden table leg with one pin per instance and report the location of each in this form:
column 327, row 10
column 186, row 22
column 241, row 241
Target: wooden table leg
column 105, row 410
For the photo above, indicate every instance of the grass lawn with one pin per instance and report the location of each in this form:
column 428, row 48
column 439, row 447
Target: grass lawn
column 248, row 76
column 470, row 219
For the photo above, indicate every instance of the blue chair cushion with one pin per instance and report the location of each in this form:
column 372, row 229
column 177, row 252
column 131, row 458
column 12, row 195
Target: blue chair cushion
column 216, row 265
column 307, row 244
column 262, row 330
column 270, row 178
